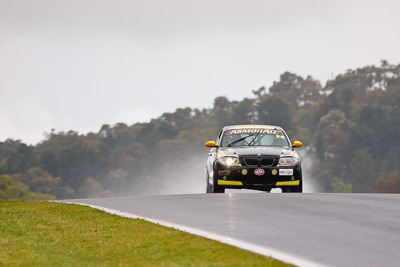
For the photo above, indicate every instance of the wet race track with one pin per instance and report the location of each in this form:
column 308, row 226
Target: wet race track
column 304, row 229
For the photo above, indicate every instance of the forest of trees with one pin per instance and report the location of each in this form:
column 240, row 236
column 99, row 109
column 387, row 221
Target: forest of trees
column 350, row 129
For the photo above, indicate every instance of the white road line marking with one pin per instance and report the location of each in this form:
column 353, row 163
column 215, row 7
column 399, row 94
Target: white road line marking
column 268, row 252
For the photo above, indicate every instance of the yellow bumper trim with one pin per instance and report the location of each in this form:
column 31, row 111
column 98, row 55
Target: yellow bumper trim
column 288, row 183
column 223, row 182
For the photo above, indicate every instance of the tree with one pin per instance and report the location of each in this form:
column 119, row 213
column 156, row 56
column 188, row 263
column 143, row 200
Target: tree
column 179, row 118
column 352, row 122
column 59, row 141
column 148, row 135
column 166, row 131
column 8, row 148
column 222, row 111
column 372, row 130
column 39, row 180
column 346, row 97
column 11, row 188
column 288, row 81
column 49, row 162
column 260, row 92
column 389, row 185
column 296, row 90
column 124, row 136
column 333, row 128
column 274, row 111
column 339, row 186
column 363, row 172
column 75, row 165
column 21, row 160
column 244, row 111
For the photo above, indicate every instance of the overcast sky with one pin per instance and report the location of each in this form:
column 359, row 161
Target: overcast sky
column 78, row 64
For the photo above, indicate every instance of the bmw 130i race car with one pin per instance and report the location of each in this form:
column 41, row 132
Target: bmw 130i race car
column 259, row 157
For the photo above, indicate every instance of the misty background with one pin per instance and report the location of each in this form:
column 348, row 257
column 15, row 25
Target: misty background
column 349, row 129
column 106, row 98
column 76, row 65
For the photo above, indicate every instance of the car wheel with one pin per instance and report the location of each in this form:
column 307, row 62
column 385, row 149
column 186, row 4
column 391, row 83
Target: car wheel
column 218, row 189
column 209, row 187
column 213, row 188
column 293, row 189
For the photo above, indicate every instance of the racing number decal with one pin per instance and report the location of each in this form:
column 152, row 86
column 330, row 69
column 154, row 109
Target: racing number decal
column 259, row 172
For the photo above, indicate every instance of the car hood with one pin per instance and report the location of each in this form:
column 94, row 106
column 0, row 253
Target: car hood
column 270, row 151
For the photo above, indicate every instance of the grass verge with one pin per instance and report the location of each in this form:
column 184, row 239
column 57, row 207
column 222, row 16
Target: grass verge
column 57, row 234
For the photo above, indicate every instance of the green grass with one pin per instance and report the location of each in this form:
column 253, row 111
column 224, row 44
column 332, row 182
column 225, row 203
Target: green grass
column 58, row 234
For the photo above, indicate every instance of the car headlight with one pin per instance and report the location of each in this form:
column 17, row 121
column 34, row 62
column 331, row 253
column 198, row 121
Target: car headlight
column 229, row 161
column 288, row 161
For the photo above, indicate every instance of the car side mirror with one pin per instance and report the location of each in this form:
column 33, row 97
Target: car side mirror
column 211, row 144
column 297, row 144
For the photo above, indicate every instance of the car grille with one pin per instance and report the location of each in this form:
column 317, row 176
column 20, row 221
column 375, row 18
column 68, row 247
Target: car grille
column 251, row 161
column 259, row 161
column 267, row 162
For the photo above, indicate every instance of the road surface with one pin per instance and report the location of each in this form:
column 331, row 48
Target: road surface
column 326, row 229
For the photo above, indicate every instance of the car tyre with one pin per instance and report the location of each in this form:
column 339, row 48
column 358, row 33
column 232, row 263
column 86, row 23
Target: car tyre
column 219, row 189
column 208, row 185
column 293, row 189
column 213, row 188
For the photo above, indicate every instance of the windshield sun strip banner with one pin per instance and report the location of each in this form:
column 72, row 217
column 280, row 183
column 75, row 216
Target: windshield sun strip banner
column 251, row 131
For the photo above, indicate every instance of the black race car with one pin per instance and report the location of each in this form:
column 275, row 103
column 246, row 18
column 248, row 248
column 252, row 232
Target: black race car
column 258, row 157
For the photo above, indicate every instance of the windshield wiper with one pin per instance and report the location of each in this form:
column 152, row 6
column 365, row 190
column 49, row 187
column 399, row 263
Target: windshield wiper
column 237, row 141
column 252, row 141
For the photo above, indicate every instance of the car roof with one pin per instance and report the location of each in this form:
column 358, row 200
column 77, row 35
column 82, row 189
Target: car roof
column 252, row 126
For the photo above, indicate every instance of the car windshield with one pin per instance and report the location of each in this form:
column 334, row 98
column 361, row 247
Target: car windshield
column 254, row 137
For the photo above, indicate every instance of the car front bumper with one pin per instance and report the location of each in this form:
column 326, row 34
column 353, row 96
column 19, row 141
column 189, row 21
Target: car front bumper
column 259, row 177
